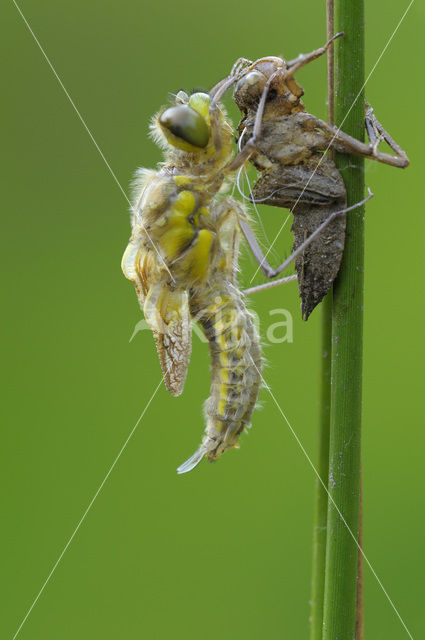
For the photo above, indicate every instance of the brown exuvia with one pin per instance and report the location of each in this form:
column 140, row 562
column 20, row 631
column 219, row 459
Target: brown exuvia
column 295, row 171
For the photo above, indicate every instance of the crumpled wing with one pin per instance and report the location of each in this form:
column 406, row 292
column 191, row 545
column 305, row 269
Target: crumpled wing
column 167, row 313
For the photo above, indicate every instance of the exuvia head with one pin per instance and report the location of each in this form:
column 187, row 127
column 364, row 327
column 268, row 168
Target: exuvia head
column 283, row 89
column 186, row 125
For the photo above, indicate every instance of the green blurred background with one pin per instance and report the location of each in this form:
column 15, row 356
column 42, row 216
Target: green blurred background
column 224, row 552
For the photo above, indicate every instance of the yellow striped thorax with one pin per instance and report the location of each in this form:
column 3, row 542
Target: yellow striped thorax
column 179, row 231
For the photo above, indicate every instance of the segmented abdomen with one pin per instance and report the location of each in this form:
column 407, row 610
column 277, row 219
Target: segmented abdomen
column 235, row 367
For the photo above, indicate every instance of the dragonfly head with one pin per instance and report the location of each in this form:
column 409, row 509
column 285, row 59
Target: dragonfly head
column 185, row 125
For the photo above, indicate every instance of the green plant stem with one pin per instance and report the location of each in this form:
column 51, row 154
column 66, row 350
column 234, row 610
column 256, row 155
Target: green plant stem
column 360, row 566
column 320, row 495
column 339, row 620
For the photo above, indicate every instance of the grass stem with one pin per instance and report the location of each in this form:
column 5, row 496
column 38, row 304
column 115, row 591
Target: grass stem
column 340, row 601
column 320, row 495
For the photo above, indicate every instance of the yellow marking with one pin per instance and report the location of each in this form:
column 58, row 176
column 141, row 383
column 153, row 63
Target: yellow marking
column 221, row 341
column 197, row 258
column 224, row 376
column 218, row 326
column 230, row 318
column 223, row 399
column 218, row 302
column 185, row 203
column 174, row 240
column 182, row 180
column 222, row 403
column 220, row 427
column 178, row 230
column 223, row 392
column 224, row 358
column 200, row 102
column 178, row 233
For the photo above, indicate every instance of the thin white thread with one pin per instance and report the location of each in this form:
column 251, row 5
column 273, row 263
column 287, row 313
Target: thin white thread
column 87, row 511
column 89, row 132
column 337, row 132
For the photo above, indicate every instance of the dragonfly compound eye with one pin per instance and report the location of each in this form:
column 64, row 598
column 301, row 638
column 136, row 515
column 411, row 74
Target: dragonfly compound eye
column 184, row 128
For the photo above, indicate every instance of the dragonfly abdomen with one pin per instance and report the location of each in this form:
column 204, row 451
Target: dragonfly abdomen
column 235, row 368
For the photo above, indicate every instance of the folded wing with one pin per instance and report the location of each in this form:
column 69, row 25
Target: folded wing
column 166, row 311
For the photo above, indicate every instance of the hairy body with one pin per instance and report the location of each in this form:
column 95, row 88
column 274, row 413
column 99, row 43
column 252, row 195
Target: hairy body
column 182, row 259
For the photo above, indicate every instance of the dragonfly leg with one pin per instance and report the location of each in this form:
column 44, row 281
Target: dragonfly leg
column 257, row 252
column 377, row 133
column 305, row 58
column 243, row 156
column 216, row 94
column 269, row 285
column 345, row 143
